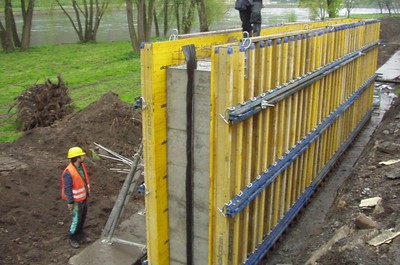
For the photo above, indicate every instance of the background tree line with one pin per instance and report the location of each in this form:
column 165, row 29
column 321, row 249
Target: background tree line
column 147, row 16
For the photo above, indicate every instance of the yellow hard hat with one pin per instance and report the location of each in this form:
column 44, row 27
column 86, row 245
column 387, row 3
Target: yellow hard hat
column 75, row 151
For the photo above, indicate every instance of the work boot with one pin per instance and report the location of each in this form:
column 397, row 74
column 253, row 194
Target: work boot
column 84, row 239
column 74, row 243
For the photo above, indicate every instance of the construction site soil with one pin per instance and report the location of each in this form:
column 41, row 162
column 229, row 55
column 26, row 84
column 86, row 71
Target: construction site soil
column 34, row 220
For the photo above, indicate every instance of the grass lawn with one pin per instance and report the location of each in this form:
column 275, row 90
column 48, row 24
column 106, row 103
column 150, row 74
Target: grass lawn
column 89, row 70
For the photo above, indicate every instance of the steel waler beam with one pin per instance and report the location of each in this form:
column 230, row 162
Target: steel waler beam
column 248, row 194
column 249, row 108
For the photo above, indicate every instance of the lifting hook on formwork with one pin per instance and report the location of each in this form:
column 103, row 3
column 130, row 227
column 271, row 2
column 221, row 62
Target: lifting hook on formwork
column 246, row 44
column 174, row 36
column 246, row 41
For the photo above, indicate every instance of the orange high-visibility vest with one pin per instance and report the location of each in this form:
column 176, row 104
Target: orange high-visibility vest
column 80, row 189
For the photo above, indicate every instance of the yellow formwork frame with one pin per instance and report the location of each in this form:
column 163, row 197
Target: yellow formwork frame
column 237, row 142
column 264, row 138
column 248, row 152
column 222, row 77
column 258, row 146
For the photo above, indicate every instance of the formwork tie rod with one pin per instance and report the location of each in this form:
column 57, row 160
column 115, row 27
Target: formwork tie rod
column 251, row 107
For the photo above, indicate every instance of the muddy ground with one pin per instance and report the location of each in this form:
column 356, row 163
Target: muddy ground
column 34, row 220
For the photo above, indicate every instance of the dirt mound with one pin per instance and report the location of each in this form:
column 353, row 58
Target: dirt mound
column 34, row 220
column 390, row 36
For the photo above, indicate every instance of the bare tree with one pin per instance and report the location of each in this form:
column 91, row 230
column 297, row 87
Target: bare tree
column 144, row 21
column 349, row 5
column 166, row 13
column 8, row 30
column 184, row 14
column 88, row 15
column 27, row 15
column 389, row 4
column 201, row 8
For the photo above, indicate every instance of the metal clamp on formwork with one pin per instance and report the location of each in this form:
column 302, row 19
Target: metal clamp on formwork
column 140, row 103
column 248, row 194
column 225, row 116
column 251, row 107
column 246, row 43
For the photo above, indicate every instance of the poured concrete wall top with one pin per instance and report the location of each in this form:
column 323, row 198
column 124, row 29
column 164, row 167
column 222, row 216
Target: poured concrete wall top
column 177, row 80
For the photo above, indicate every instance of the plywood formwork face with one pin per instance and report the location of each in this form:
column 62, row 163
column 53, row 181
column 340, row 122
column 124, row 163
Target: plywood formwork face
column 281, row 112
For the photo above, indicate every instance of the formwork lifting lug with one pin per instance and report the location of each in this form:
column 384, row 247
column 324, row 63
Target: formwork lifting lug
column 174, row 36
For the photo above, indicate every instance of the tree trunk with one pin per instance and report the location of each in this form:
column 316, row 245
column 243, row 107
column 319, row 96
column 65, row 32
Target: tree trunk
column 187, row 19
column 131, row 26
column 166, row 9
column 3, row 36
column 27, row 27
column 201, row 7
column 177, row 17
column 9, row 43
column 15, row 36
column 91, row 14
column 149, row 21
column 156, row 24
column 141, row 19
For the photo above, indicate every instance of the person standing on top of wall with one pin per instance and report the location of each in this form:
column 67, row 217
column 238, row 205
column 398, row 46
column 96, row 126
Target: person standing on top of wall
column 75, row 190
column 250, row 15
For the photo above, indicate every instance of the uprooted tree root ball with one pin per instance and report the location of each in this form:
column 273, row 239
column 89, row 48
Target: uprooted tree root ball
column 43, row 104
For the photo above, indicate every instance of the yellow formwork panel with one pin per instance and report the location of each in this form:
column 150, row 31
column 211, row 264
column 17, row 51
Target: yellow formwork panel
column 247, row 153
column 154, row 141
column 240, row 152
column 237, row 147
column 222, row 150
column 259, row 206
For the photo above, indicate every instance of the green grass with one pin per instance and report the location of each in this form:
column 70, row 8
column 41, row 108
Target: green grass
column 89, row 70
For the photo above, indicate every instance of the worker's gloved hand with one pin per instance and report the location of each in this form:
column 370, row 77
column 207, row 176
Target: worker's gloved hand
column 70, row 206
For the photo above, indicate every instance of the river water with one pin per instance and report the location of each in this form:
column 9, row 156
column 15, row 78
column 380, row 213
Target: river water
column 55, row 28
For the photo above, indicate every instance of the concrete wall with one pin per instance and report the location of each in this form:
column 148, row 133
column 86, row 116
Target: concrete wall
column 177, row 161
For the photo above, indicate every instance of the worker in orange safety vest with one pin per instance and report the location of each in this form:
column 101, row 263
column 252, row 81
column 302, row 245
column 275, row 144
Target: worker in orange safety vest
column 75, row 190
